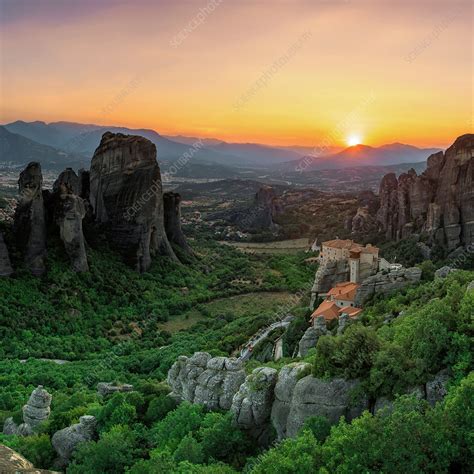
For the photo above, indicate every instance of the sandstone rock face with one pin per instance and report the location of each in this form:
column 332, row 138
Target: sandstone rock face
column 363, row 222
column 65, row 441
column 69, row 210
column 108, row 388
column 172, row 211
column 311, row 336
column 211, row 382
column 252, row 404
column 30, row 220
column 287, row 379
column 37, row 409
column 386, row 283
column 126, row 196
column 439, row 202
column 5, row 265
column 12, row 462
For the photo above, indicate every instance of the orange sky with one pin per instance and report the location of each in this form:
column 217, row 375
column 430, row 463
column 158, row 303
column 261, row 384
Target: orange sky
column 270, row 71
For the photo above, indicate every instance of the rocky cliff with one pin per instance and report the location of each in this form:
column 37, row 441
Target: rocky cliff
column 69, row 211
column 126, row 196
column 172, row 213
column 5, row 265
column 439, row 202
column 30, row 219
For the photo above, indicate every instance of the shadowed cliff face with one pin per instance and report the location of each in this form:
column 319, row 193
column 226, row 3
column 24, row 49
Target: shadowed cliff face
column 439, row 202
column 126, row 196
column 172, row 213
column 30, row 221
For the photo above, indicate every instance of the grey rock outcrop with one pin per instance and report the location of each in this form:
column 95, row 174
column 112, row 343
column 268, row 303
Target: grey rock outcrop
column 443, row 272
column 384, row 405
column 65, row 441
column 342, row 323
column 212, row 382
column 311, row 336
column 172, row 212
column 126, row 196
column 69, row 211
column 287, row 379
column 439, row 202
column 37, row 409
column 470, row 287
column 327, row 275
column 317, row 397
column 30, row 219
column 252, row 404
column 35, row 412
column 436, row 389
column 5, row 265
column 108, row 388
column 386, row 283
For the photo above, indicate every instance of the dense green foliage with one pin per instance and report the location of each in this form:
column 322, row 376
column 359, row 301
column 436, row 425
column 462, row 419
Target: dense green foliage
column 115, row 325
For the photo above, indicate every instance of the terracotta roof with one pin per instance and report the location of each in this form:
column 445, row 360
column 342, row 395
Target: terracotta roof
column 351, row 311
column 344, row 291
column 328, row 309
column 350, row 245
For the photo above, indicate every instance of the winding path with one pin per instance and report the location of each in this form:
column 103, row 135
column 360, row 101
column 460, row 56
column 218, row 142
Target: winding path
column 262, row 334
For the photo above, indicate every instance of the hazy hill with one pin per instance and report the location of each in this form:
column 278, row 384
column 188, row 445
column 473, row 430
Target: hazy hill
column 17, row 151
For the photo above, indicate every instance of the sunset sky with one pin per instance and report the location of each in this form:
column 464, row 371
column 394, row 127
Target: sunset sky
column 271, row 71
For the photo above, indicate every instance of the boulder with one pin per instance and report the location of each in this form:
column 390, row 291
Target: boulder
column 386, row 283
column 252, row 404
column 5, row 265
column 69, row 210
column 311, row 336
column 11, row 428
column 287, row 379
column 126, row 197
column 30, row 219
column 211, row 382
column 172, row 212
column 332, row 399
column 443, row 272
column 108, row 388
column 436, row 389
column 65, row 441
column 37, row 409
column 11, row 463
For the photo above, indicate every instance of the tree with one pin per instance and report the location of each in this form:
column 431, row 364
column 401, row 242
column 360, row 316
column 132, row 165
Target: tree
column 189, row 450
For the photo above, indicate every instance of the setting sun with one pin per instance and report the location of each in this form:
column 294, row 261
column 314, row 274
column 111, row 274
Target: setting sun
column 353, row 140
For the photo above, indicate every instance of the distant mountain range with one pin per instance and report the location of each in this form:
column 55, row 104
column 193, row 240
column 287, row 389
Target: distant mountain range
column 65, row 143
column 16, row 151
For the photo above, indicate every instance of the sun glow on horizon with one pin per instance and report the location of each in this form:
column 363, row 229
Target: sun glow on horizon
column 353, row 140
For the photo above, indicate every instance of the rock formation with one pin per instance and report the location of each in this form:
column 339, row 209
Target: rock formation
column 439, row 202
column 69, row 210
column 108, row 388
column 327, row 275
column 252, row 404
column 317, row 397
column 126, row 196
column 12, row 463
column 35, row 412
column 37, row 409
column 172, row 212
column 5, row 265
column 436, row 389
column 212, row 382
column 30, row 220
column 386, row 282
column 311, row 336
column 288, row 377
column 65, row 441
column 443, row 272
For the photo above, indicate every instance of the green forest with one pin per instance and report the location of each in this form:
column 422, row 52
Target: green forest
column 115, row 325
